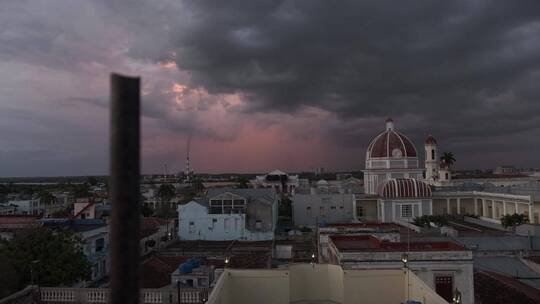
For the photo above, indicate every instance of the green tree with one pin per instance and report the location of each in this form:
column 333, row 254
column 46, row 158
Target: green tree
column 513, row 220
column 49, row 257
column 64, row 213
column 81, row 190
column 166, row 212
column 166, row 192
column 92, row 181
column 242, row 182
column 448, row 158
column 46, row 198
column 146, row 211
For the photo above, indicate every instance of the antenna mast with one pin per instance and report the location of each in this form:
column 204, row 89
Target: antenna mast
column 188, row 148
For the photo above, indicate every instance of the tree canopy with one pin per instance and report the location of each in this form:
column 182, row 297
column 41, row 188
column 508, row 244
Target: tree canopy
column 166, row 192
column 54, row 256
column 513, row 220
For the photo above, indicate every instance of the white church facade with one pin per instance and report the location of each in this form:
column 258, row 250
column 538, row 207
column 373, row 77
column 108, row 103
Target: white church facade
column 398, row 188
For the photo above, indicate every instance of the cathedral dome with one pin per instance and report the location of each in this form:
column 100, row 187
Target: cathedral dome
column 404, row 188
column 391, row 143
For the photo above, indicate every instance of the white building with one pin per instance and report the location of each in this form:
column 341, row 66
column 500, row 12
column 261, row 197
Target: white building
column 322, row 204
column 278, row 180
column 27, row 206
column 443, row 266
column 230, row 214
column 396, row 191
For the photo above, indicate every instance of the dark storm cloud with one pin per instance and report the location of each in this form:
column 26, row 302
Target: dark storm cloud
column 466, row 71
column 470, row 67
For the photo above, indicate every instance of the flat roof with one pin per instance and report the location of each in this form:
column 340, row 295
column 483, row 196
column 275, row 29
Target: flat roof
column 370, row 243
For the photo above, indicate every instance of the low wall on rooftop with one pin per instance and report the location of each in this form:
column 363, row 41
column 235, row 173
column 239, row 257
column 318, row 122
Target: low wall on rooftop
column 320, row 283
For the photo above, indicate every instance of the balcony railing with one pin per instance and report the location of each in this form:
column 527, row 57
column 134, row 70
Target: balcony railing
column 102, row 295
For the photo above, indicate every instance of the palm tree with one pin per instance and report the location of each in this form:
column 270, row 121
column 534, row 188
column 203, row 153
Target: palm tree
column 46, row 198
column 166, row 192
column 448, row 159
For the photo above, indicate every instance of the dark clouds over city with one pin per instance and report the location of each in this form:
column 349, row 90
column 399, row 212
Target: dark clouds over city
column 268, row 84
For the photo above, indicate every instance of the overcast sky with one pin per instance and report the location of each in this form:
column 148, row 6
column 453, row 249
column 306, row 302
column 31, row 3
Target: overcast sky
column 260, row 85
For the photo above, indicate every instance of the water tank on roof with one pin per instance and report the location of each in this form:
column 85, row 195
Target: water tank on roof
column 185, row 267
column 195, row 263
column 189, row 265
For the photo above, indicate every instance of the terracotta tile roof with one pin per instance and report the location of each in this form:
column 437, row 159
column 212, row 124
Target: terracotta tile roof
column 150, row 225
column 156, row 271
column 495, row 288
column 17, row 222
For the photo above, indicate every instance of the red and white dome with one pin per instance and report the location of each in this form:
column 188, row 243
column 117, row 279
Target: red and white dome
column 403, row 188
column 391, row 143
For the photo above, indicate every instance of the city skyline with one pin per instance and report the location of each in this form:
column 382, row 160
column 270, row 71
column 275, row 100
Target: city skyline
column 292, row 85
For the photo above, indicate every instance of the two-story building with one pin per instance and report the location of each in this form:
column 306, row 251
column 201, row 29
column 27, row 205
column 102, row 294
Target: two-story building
column 230, row 214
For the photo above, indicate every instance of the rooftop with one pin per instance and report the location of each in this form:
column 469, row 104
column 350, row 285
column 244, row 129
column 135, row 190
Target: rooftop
column 77, row 225
column 17, row 222
column 259, row 193
column 370, row 243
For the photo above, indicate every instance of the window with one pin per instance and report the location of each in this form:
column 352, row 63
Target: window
column 446, row 176
column 340, row 207
column 444, row 287
column 360, row 211
column 432, row 154
column 216, row 210
column 258, row 224
column 406, row 211
column 100, row 244
column 333, row 207
column 191, row 227
column 239, row 202
column 322, row 212
column 308, row 211
column 95, row 269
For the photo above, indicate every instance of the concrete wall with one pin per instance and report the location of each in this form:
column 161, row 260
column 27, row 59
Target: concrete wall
column 374, row 286
column 338, row 208
column 369, row 209
column 319, row 283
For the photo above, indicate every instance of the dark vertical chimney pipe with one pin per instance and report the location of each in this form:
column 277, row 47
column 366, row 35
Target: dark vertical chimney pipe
column 124, row 188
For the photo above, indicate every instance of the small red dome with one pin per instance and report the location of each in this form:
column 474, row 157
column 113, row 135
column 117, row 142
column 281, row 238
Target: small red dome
column 430, row 140
column 404, row 188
